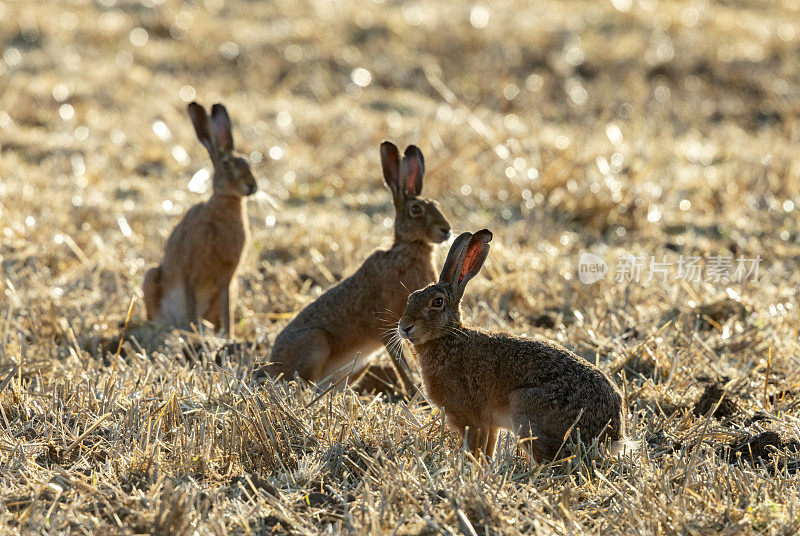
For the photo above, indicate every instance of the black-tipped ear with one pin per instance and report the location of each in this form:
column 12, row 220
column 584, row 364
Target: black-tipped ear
column 413, row 168
column 390, row 160
column 475, row 253
column 200, row 122
column 454, row 258
column 223, row 133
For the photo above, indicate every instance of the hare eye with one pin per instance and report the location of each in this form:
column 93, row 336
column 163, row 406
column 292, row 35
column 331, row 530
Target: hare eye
column 437, row 302
column 416, row 210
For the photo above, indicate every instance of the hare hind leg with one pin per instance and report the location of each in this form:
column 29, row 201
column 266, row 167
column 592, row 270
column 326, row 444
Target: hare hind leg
column 304, row 353
column 151, row 288
column 212, row 314
column 221, row 307
column 530, row 419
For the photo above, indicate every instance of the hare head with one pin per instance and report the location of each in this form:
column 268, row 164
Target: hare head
column 416, row 218
column 435, row 310
column 232, row 175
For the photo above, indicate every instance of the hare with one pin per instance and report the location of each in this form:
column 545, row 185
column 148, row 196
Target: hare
column 195, row 279
column 338, row 333
column 485, row 381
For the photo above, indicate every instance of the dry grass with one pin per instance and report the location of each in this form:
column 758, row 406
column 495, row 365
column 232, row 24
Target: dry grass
column 519, row 121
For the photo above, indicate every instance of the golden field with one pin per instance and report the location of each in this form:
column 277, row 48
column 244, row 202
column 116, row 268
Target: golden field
column 649, row 128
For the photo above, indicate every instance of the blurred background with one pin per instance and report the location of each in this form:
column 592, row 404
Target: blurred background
column 653, row 128
column 623, row 127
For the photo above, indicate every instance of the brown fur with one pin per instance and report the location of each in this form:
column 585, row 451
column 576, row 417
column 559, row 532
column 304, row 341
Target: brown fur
column 195, row 278
column 486, row 380
column 355, row 317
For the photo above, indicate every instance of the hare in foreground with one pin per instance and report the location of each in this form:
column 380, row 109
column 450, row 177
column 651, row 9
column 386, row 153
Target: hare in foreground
column 489, row 380
column 195, row 279
column 349, row 321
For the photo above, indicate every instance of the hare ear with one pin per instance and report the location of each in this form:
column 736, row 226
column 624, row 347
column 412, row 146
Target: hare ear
column 390, row 160
column 223, row 134
column 475, row 253
column 200, row 122
column 413, row 169
column 454, row 258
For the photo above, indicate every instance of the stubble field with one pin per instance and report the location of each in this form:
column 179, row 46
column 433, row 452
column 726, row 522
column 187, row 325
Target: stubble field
column 649, row 128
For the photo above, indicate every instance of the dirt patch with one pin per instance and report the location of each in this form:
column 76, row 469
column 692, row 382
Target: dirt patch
column 259, row 483
column 710, row 397
column 551, row 318
column 326, row 508
column 716, row 313
column 762, row 446
column 661, row 443
column 270, row 525
column 647, row 364
column 780, row 396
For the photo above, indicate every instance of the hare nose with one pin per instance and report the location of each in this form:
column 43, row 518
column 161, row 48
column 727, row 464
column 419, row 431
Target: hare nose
column 445, row 232
column 405, row 331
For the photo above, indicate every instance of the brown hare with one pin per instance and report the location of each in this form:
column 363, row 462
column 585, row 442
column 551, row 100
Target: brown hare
column 351, row 319
column 490, row 380
column 195, row 279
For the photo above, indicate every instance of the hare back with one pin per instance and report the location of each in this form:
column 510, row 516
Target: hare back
column 364, row 308
column 203, row 247
column 215, row 230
